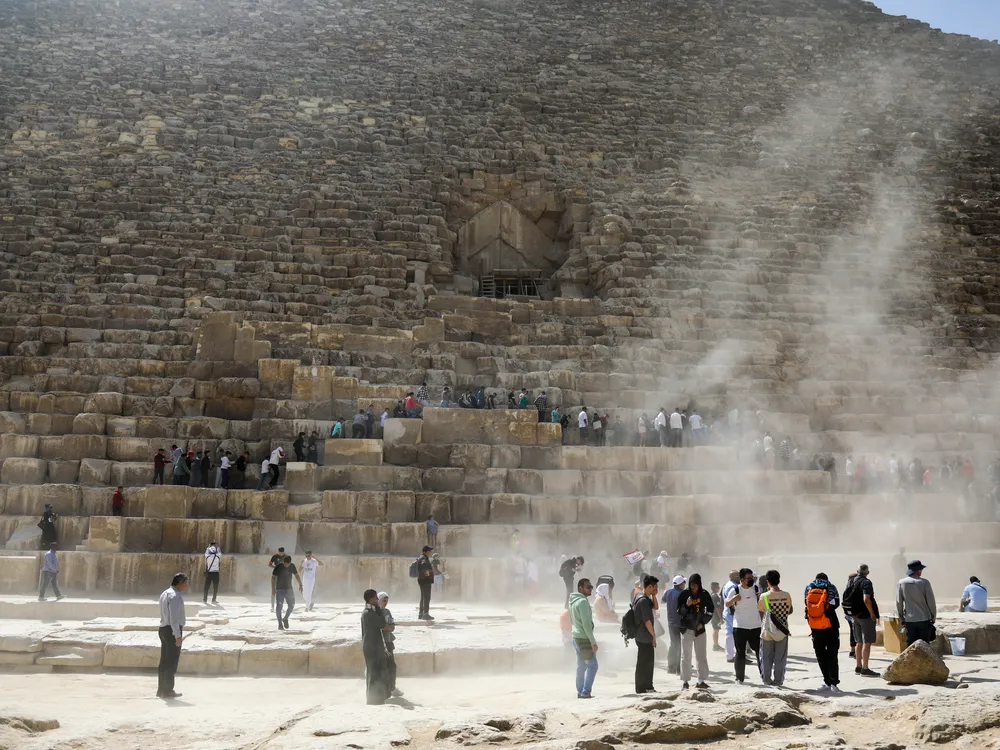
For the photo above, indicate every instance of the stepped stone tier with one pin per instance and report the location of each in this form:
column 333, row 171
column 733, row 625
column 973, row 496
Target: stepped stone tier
column 222, row 224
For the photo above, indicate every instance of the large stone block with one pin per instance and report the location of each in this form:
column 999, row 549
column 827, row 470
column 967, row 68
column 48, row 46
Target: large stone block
column 433, row 503
column 26, row 536
column 166, row 501
column 68, row 447
column 18, row 446
column 268, row 505
column 132, row 474
column 340, row 505
column 510, row 509
column 342, row 658
column 90, row 424
column 470, row 509
column 191, row 536
column 444, row 479
column 104, row 403
column 400, row 507
column 12, row 422
column 106, row 534
column 300, row 477
column 208, row 428
column 156, row 428
column 385, row 478
column 274, row 659
column 202, row 655
column 349, row 452
column 64, row 472
column 331, row 538
column 401, row 432
column 556, row 510
column 138, row 649
column 248, row 537
column 31, row 501
column 371, row 507
column 131, row 449
column 121, row 426
column 469, row 456
column 142, row 534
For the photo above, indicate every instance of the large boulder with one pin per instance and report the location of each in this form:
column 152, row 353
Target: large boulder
column 917, row 665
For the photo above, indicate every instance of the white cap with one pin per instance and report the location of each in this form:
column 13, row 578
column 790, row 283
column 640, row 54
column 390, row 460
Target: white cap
column 679, row 579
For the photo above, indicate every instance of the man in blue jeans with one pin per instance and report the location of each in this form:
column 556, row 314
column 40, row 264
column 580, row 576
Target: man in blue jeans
column 281, row 589
column 50, row 569
column 582, row 619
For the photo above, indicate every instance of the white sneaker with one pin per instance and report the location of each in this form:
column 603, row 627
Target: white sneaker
column 835, row 689
column 824, row 688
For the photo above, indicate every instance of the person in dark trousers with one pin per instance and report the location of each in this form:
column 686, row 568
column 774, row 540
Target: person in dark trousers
column 281, row 589
column 312, row 448
column 171, row 635
column 822, row 600
column 117, row 501
column 206, row 469
column 240, row 477
column 864, row 610
column 425, row 579
column 916, row 605
column 674, row 624
column 213, row 564
column 542, row 405
column 389, row 636
column 48, row 527
column 358, row 427
column 645, row 636
column 373, row 626
column 159, row 465
column 746, row 621
column 299, row 447
column 196, row 470
column 50, row 571
column 568, row 571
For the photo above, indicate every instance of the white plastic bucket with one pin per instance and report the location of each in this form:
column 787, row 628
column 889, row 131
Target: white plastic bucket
column 957, row 646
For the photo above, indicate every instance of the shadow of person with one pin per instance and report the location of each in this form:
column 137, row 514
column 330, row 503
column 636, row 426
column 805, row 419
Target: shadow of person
column 887, row 692
column 402, row 702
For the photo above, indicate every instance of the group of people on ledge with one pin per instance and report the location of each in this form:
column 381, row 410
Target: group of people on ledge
column 197, row 469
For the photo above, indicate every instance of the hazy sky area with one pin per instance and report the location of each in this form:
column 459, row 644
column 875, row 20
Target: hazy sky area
column 973, row 17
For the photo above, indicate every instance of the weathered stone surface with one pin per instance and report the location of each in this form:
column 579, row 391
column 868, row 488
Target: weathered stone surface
column 918, row 664
column 401, row 432
column 341, row 452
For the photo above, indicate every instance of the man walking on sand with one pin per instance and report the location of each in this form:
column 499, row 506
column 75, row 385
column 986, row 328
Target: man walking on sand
column 171, row 635
column 821, row 602
column 645, row 635
column 916, row 605
column 425, row 579
column 581, row 617
column 213, row 564
column 50, row 570
column 281, row 589
column 310, row 565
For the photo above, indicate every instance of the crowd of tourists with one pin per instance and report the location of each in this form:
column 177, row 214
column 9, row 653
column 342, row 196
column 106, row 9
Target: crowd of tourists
column 753, row 612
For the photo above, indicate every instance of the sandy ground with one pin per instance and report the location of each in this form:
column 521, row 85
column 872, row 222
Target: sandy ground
column 118, row 711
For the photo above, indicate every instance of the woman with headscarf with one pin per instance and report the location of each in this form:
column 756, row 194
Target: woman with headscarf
column 695, row 608
column 373, row 647
column 604, row 605
column 48, row 526
column 389, row 636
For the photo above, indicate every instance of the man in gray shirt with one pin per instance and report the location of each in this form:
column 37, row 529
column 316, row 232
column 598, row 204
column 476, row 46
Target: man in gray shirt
column 171, row 635
column 915, row 605
column 50, row 569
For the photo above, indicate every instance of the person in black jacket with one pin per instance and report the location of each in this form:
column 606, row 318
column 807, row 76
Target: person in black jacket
column 568, row 571
column 695, row 608
column 425, row 579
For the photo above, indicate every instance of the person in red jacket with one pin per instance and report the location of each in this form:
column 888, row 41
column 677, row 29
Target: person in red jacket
column 117, row 501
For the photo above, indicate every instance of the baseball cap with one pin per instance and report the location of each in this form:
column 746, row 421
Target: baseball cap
column 427, row 548
column 915, row 565
column 679, row 579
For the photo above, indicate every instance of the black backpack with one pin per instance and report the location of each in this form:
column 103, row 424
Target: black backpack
column 629, row 624
column 853, row 600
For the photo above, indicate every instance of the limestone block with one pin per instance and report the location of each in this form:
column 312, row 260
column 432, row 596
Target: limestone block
column 521, row 433
column 408, row 539
column 209, row 502
column 191, row 536
column 505, row 456
column 350, row 452
column 567, row 482
column 401, row 432
column 133, row 650
column 469, row 456
column 400, row 506
column 333, row 538
column 372, row 506
column 385, row 477
column 12, row 422
column 557, row 510
column 311, row 512
column 342, row 658
column 12, row 445
column 121, row 426
column 64, row 472
column 159, row 428
column 142, row 534
column 525, row 481
column 443, row 479
column 431, row 330
column 313, row 383
column 71, row 656
column 300, row 477
column 166, row 501
column 200, row 655
column 453, row 426
column 274, row 659
column 918, row 664
column 41, row 424
column 106, row 534
column 248, row 537
column 279, row 534
column 276, row 376
column 332, row 478
column 89, row 424
column 484, row 482
column 27, row 536
column 510, row 509
column 133, row 474
column 549, row 433
column 69, row 447
column 16, row 658
column 270, row 505
column 132, row 449
column 104, row 403
column 208, row 428
column 31, row 501
column 470, row 509
column 340, row 505
column 433, row 503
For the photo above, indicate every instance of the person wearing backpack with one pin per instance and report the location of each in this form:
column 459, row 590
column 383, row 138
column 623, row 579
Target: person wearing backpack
column 859, row 600
column 746, row 622
column 425, row 579
column 775, row 607
column 645, row 635
column 821, row 600
column 694, row 609
column 568, row 571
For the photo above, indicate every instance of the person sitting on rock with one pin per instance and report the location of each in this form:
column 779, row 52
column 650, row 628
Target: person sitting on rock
column 974, row 597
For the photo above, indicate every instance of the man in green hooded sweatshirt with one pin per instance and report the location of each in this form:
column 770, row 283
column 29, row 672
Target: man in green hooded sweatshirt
column 582, row 620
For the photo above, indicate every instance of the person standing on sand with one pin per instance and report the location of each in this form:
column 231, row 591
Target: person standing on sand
column 728, row 613
column 860, row 599
column 674, row 625
column 389, row 636
column 171, row 635
column 716, row 616
column 310, row 565
column 821, row 602
column 581, row 618
column 425, row 580
column 213, row 564
column 645, row 635
column 373, row 625
column 775, row 607
column 916, row 605
column 50, row 571
column 746, row 621
column 281, row 589
column 694, row 609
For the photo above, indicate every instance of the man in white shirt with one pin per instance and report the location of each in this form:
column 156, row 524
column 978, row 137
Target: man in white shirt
column 746, row 622
column 309, row 567
column 676, row 428
column 276, row 455
column 213, row 564
column 660, row 423
column 695, row 420
column 224, row 463
column 171, row 635
column 265, row 473
column 582, row 421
